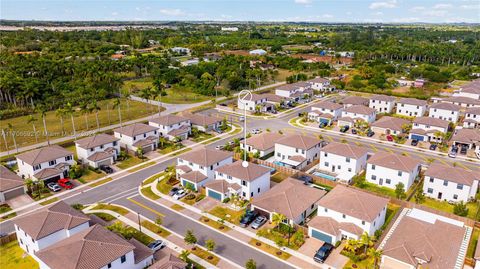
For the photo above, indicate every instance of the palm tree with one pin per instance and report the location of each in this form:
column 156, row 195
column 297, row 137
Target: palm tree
column 366, row 241
column 12, row 131
column 157, row 91
column 69, row 110
column 85, row 110
column 376, row 255
column 278, row 218
column 184, row 255
column 43, row 112
column 352, row 245
column 95, row 107
column 29, row 184
column 117, row 104
column 162, row 140
column 31, row 119
column 60, row 112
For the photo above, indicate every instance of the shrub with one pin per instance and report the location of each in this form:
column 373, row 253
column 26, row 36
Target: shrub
column 226, row 200
column 199, row 198
column 190, row 196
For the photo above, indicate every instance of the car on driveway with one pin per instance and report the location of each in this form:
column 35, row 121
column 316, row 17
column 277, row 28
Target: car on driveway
column 65, row 183
column 248, row 218
column 258, row 222
column 389, row 138
column 53, row 187
column 323, row 252
column 107, row 169
column 157, row 245
column 344, row 128
column 452, row 154
column 433, row 146
column 463, row 149
column 370, row 133
column 354, row 131
column 414, row 143
column 173, row 191
column 179, row 194
column 307, row 180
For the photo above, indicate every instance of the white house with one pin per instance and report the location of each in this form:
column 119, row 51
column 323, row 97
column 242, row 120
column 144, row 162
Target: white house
column 472, row 118
column 344, row 160
column 230, row 29
column 297, row 151
column 263, row 143
column 293, row 91
column 321, row 84
column 325, row 112
column 390, row 125
column 49, row 163
column 359, row 112
column 180, row 50
column 203, row 122
column 258, row 52
column 388, row 169
column 411, row 107
column 347, row 213
column 258, row 103
column 464, row 102
column 444, row 111
column 172, row 126
column 138, row 135
column 470, row 90
column 428, row 129
column 450, row 183
column 11, row 185
column 467, row 137
column 97, row 150
column 197, row 167
column 382, row 103
column 246, row 182
column 354, row 101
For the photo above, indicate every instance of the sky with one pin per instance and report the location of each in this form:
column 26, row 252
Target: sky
column 358, row 11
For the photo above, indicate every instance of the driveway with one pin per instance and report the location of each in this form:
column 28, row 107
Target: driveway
column 335, row 260
column 207, row 204
column 310, row 247
column 20, row 201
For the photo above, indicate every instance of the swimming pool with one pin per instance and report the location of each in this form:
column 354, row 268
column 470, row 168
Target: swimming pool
column 325, row 176
column 279, row 163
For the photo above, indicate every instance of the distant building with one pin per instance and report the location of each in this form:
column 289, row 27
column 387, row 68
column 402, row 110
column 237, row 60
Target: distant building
column 180, row 50
column 230, row 29
column 257, row 52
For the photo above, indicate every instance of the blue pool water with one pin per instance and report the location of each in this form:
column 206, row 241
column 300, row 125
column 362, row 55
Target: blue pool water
column 279, row 163
column 325, row 176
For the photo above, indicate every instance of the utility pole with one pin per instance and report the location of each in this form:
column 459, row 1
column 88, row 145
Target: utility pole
column 244, row 97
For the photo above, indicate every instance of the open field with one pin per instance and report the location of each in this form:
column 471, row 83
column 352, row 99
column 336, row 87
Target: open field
column 12, row 257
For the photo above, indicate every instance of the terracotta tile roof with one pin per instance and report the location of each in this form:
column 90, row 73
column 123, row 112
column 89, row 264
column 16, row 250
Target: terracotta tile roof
column 360, row 109
column 264, row 141
column 44, row 154
column 432, row 122
column 169, row 262
column 51, row 219
column 353, row 202
column 328, row 105
column 222, row 186
column 168, row 120
column 290, row 198
column 381, row 97
column 99, row 156
column 391, row 123
column 473, row 110
column 249, row 173
column 201, row 119
column 318, row 80
column 412, row 101
column 394, row 161
column 333, row 227
column 299, row 141
column 467, row 136
column 472, row 87
column 454, row 174
column 140, row 252
column 347, row 119
column 179, row 131
column 184, row 168
column 297, row 158
column 290, row 87
column 147, row 141
column 446, row 106
column 345, row 150
column 96, row 141
column 9, row 180
column 135, row 129
column 462, row 100
column 194, row 176
column 205, row 156
column 354, row 100
column 92, row 248
column 47, row 173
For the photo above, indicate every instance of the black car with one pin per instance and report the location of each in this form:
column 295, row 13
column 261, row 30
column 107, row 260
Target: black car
column 354, row 131
column 414, row 143
column 370, row 133
column 463, row 150
column 322, row 253
column 307, row 180
column 107, row 169
column 433, row 146
column 454, row 149
column 173, row 191
column 344, row 128
column 248, row 218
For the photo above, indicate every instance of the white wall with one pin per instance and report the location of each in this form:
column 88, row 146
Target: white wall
column 165, row 129
column 128, row 141
column 335, row 113
column 448, row 191
column 411, row 110
column 428, row 128
column 207, row 171
column 286, row 152
column 25, row 170
column 469, row 95
column 443, row 114
column 254, row 150
column 381, row 106
column 368, row 118
column 250, row 104
column 83, row 153
column 383, row 174
column 345, row 170
column 262, row 182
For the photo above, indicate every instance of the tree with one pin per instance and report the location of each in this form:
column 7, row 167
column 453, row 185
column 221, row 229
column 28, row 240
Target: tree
column 60, row 113
column 31, row 119
column 140, row 152
column 250, row 264
column 43, row 112
column 190, row 238
column 278, row 218
column 85, row 109
column 352, row 245
column 400, row 191
column 210, row 244
column 117, row 105
column 69, row 110
column 366, row 241
column 419, row 197
column 162, row 140
column 376, row 255
column 460, row 209
column 184, row 255
column 29, row 184
column 12, row 132
column 95, row 108
column 159, row 221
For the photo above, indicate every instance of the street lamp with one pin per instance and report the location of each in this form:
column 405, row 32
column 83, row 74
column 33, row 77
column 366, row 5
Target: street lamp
column 139, row 224
column 244, row 97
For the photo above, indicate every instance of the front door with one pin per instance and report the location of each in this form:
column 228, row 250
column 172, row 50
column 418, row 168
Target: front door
column 333, row 168
column 439, row 195
column 380, row 181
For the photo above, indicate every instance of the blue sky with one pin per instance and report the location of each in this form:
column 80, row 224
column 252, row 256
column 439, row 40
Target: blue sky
column 396, row 11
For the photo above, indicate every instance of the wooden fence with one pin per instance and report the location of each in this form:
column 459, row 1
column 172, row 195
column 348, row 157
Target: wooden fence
column 7, row 239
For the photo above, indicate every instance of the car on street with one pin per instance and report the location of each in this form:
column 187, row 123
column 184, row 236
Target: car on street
column 344, row 128
column 354, row 131
column 65, row 183
column 463, row 149
column 323, row 252
column 157, row 245
column 370, row 133
column 452, row 154
column 258, row 222
column 256, row 131
column 219, row 147
column 433, row 146
column 179, row 194
column 107, row 169
column 414, row 143
column 53, row 187
column 173, row 191
column 389, row 138
column 248, row 218
column 241, row 118
column 307, row 180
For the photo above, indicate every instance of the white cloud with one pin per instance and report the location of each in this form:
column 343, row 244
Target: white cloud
column 379, row 13
column 114, row 13
column 172, row 12
column 406, row 20
column 435, row 13
column 442, row 6
column 470, row 7
column 327, row 16
column 417, row 8
column 348, row 13
column 303, row 2
column 386, row 4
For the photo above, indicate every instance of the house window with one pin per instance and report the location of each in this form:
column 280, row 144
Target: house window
column 220, row 174
column 244, row 183
column 101, row 146
column 52, row 162
column 363, row 222
column 326, row 209
column 123, row 259
column 144, row 135
column 303, row 151
column 430, row 190
column 455, row 196
column 190, row 163
column 339, row 167
column 114, row 143
column 343, row 216
column 68, row 158
column 347, row 159
column 325, row 154
column 311, row 207
column 326, row 164
column 374, row 177
column 431, row 179
column 258, row 190
column 134, row 138
column 36, row 167
column 349, row 169
column 388, row 181
column 229, row 177
column 211, row 167
column 460, row 186
column 243, row 194
column 90, row 150
column 109, row 265
column 445, row 183
column 278, row 154
column 251, row 194
column 399, row 173
column 373, row 167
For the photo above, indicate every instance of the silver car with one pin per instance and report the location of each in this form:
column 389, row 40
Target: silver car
column 157, row 245
column 53, row 187
column 258, row 222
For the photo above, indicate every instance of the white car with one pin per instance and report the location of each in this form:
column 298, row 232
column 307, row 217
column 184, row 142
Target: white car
column 256, row 131
column 53, row 187
column 157, row 245
column 179, row 194
column 452, row 154
column 241, row 118
column 219, row 147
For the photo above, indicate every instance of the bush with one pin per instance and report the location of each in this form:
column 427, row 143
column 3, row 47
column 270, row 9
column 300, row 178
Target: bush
column 226, row 200
column 190, row 196
column 199, row 198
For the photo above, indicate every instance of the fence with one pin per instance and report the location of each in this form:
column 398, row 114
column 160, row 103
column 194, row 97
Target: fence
column 7, row 239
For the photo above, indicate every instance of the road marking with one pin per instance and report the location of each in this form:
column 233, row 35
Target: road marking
column 123, row 196
column 374, row 148
column 144, row 206
column 115, row 195
column 391, row 151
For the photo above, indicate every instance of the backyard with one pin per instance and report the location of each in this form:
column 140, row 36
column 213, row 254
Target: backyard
column 445, row 206
column 12, row 256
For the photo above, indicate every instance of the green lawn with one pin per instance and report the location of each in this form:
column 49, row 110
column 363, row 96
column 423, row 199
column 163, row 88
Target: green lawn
column 227, row 214
column 155, row 228
column 215, row 224
column 473, row 243
column 49, row 201
column 164, row 187
column 89, row 175
column 140, row 167
column 104, row 216
column 278, row 177
column 270, row 249
column 11, row 256
column 153, row 178
column 201, row 137
column 445, row 206
column 129, row 162
column 117, row 209
column 205, row 255
column 147, row 191
column 169, row 147
column 101, row 182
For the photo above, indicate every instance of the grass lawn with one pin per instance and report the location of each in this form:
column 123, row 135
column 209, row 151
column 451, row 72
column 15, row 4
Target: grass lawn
column 101, row 182
column 276, row 236
column 278, row 177
column 104, row 216
column 120, row 210
column 129, row 162
column 49, row 201
column 227, row 214
column 163, row 186
column 473, row 243
column 155, row 228
column 90, row 175
column 363, row 264
column 5, row 208
column 205, row 255
column 190, row 199
column 269, row 249
column 202, row 136
column 445, row 206
column 177, row 207
column 211, row 140
column 169, row 147
column 153, row 178
column 44, row 195
column 214, row 224
column 12, row 257
column 147, row 164
column 147, row 191
column 377, row 189
column 54, row 127
column 181, row 151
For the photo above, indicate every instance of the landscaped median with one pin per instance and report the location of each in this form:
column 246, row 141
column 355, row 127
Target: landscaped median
column 219, row 225
column 270, row 249
column 117, row 209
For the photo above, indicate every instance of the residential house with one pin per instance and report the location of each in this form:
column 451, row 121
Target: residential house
column 469, row 138
column 444, row 111
column 11, row 185
column 382, row 103
column 359, row 112
column 344, row 160
column 204, row 123
column 258, row 103
column 257, row 52
column 98, row 150
column 235, row 179
column 465, row 102
column 172, row 126
column 390, row 125
column 354, row 101
column 138, row 136
column 49, row 163
column 169, row 261
column 325, row 112
column 411, row 107
column 180, row 50
column 419, row 83
column 321, row 84
column 428, row 129
column 297, row 151
column 470, row 90
column 450, row 183
column 263, row 143
column 347, row 213
column 197, row 167
column 389, row 169
column 294, row 91
column 472, row 118
column 421, row 239
column 290, row 198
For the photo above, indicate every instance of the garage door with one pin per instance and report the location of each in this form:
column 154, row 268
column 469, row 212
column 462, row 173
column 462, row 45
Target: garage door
column 262, row 212
column 188, row 185
column 105, row 162
column 321, row 236
column 147, row 149
column 417, row 137
column 52, row 179
column 214, row 195
column 326, row 121
column 14, row 193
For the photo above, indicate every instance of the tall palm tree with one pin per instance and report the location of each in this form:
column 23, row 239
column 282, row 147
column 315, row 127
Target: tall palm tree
column 60, row 113
column 278, row 218
column 12, row 131
column 366, row 240
column 42, row 110
column 85, row 110
column 31, row 119
column 376, row 255
column 69, row 110
column 158, row 92
column 5, row 141
column 352, row 245
column 29, row 184
column 95, row 108
column 117, row 104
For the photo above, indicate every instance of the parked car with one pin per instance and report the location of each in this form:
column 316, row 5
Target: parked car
column 65, row 183
column 322, row 125
column 53, row 187
column 307, row 180
column 390, row 138
column 248, row 218
column 344, row 128
column 157, row 245
column 477, row 154
column 173, row 191
column 370, row 133
column 179, row 194
column 107, row 169
column 454, row 148
column 219, row 147
column 323, row 252
column 414, row 143
column 241, row 118
column 354, row 131
column 231, row 143
column 258, row 222
column 256, row 131
column 433, row 146
column 463, row 150
column 452, row 154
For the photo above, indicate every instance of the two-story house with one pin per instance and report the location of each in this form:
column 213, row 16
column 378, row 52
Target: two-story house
column 465, row 102
column 344, row 160
column 258, row 103
column 291, row 91
column 450, row 183
column 359, row 112
column 469, row 138
column 204, row 123
column 236, row 179
column 321, row 84
column 389, row 169
column 428, row 129
column 98, row 150
column 138, row 135
column 263, row 144
column 382, row 103
column 470, row 90
column 197, row 167
column 354, row 101
column 49, row 163
column 472, row 118
column 297, row 151
column 411, row 107
column 172, row 126
column 325, row 112
column 347, row 213
column 444, row 111
column 390, row 125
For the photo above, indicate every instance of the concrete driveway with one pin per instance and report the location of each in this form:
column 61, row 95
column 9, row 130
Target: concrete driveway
column 207, row 204
column 20, row 201
column 335, row 260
